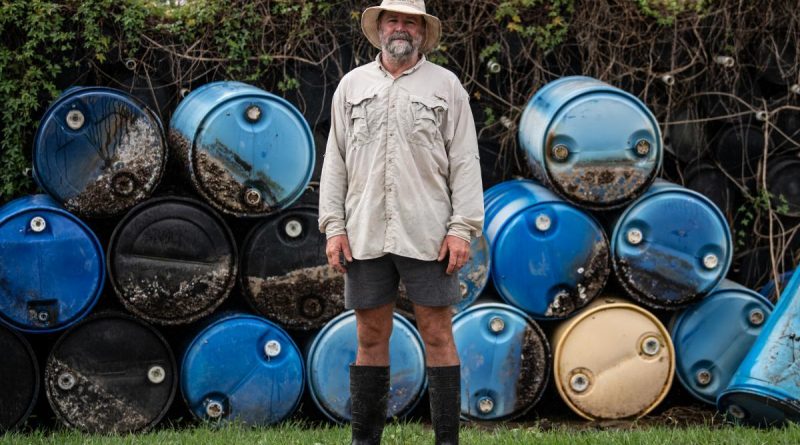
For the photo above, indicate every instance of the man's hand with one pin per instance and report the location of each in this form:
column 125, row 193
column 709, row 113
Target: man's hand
column 336, row 245
column 459, row 252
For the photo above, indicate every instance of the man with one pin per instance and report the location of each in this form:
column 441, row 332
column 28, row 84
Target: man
column 400, row 198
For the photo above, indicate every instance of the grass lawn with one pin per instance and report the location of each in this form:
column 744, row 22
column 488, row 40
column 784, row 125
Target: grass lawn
column 416, row 433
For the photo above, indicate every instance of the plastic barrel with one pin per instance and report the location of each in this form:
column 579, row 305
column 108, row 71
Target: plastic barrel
column 110, row 373
column 52, row 266
column 242, row 368
column 708, row 180
column 172, row 260
column 765, row 390
column 671, row 247
column 99, row 151
column 549, row 258
column 247, row 152
column 595, row 145
column 613, row 360
column 20, row 372
column 285, row 272
column 505, row 361
column 712, row 337
column 334, row 348
column 783, row 184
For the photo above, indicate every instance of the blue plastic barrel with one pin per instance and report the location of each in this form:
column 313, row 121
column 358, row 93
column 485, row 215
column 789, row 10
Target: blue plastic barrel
column 549, row 258
column 595, row 145
column 247, row 152
column 243, row 368
column 52, row 266
column 474, row 276
column 671, row 247
column 765, row 390
column 99, row 151
column 712, row 337
column 332, row 351
column 505, row 361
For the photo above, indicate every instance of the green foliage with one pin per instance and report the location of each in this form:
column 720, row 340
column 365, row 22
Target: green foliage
column 666, row 11
column 544, row 21
column 748, row 213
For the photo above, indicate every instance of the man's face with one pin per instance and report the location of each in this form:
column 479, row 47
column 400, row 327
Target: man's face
column 401, row 34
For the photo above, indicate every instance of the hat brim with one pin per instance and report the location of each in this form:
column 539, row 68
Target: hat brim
column 369, row 26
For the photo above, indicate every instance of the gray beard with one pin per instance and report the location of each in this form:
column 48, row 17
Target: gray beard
column 399, row 50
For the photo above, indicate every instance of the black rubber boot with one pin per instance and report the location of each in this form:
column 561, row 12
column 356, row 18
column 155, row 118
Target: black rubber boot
column 444, row 387
column 369, row 397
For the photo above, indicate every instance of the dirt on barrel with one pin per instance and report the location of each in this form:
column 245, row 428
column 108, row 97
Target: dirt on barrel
column 669, row 286
column 601, row 185
column 534, row 369
column 88, row 406
column 167, row 301
column 302, row 299
column 128, row 176
column 594, row 275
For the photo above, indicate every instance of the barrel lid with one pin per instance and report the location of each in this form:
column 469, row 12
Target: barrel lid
column 99, row 151
column 757, row 406
column 111, row 373
column 549, row 260
column 708, row 351
column 334, row 349
column 253, row 153
column 497, row 341
column 247, row 365
column 20, row 371
column 474, row 276
column 671, row 247
column 613, row 360
column 603, row 148
column 58, row 271
column 172, row 260
column 783, row 183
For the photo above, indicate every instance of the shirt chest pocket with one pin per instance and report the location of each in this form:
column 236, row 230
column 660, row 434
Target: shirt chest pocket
column 427, row 115
column 361, row 130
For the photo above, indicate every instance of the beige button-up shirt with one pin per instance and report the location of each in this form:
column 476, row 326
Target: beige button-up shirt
column 401, row 166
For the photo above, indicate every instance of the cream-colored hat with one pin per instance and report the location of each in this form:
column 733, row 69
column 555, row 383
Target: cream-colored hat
column 433, row 27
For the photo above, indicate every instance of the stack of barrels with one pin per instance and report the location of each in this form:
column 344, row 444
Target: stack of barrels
column 158, row 226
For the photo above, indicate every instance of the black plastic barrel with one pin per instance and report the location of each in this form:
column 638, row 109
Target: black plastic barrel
column 111, row 373
column 172, row 260
column 687, row 136
column 738, row 147
column 285, row 273
column 19, row 373
column 708, row 180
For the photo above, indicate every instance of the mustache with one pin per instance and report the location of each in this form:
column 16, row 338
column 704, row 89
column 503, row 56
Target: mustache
column 400, row 35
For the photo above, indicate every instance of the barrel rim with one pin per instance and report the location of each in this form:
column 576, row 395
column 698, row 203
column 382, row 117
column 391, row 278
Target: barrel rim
column 113, row 314
column 213, row 215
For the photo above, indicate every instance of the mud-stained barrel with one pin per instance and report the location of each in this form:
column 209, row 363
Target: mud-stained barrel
column 505, row 361
column 285, row 273
column 20, row 373
column 172, row 260
column 613, row 360
column 712, row 337
column 671, row 247
column 549, row 258
column 765, row 390
column 595, row 145
column 242, row 368
column 333, row 349
column 111, row 373
column 247, row 152
column 783, row 184
column 52, row 266
column 99, row 151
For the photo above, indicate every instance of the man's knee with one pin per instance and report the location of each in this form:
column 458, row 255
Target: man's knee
column 374, row 327
column 435, row 326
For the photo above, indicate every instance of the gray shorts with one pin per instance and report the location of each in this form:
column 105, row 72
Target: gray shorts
column 372, row 283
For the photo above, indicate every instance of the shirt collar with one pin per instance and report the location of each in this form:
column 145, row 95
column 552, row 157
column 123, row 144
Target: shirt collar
column 421, row 60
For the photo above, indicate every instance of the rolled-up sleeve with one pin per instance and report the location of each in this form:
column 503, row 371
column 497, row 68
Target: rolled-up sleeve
column 333, row 182
column 466, row 189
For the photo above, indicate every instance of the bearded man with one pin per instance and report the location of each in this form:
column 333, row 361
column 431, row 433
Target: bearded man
column 400, row 199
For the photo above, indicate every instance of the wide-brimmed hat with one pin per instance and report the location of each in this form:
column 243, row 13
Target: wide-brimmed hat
column 433, row 27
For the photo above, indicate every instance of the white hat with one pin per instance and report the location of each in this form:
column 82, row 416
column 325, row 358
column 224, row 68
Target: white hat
column 433, row 27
